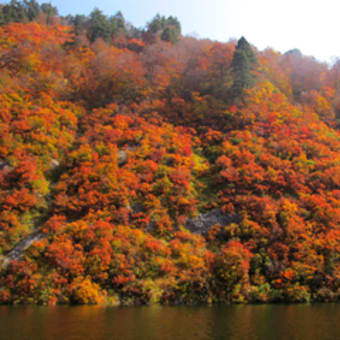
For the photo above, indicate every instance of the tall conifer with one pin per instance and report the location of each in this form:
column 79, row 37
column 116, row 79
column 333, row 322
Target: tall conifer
column 243, row 65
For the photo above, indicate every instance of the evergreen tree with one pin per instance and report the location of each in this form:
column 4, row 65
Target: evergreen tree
column 157, row 24
column 25, row 11
column 14, row 12
column 99, row 26
column 32, row 9
column 117, row 24
column 2, row 17
column 78, row 22
column 50, row 11
column 170, row 35
column 169, row 29
column 243, row 65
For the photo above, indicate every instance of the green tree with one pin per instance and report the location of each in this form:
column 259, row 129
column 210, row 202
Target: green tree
column 169, row 29
column 157, row 24
column 2, row 17
column 99, row 26
column 78, row 22
column 118, row 22
column 32, row 9
column 243, row 65
column 170, row 34
column 49, row 10
column 14, row 12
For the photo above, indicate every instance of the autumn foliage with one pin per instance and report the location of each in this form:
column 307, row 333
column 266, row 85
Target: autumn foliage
column 108, row 147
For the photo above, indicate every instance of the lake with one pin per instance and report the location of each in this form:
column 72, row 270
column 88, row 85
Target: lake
column 236, row 322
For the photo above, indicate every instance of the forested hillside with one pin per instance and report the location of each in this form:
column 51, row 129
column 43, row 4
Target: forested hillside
column 117, row 144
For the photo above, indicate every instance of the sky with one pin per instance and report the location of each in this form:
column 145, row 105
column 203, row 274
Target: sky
column 309, row 25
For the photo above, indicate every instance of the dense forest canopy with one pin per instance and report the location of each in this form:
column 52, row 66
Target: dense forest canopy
column 143, row 166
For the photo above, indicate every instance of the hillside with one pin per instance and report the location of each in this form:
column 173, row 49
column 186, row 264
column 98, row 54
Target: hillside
column 141, row 166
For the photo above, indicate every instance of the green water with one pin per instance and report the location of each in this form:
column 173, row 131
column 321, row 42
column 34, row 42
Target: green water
column 261, row 322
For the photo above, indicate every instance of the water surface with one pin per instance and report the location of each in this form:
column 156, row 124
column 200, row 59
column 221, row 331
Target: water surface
column 260, row 322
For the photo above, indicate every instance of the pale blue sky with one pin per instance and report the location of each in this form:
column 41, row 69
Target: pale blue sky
column 310, row 25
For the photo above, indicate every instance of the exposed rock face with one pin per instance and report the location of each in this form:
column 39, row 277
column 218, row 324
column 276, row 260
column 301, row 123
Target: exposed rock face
column 5, row 167
column 198, row 225
column 54, row 163
column 18, row 251
column 203, row 222
column 122, row 157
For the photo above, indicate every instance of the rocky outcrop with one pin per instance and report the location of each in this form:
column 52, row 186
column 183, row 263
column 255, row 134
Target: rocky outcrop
column 198, row 225
column 122, row 157
column 5, row 167
column 54, row 163
column 18, row 251
column 203, row 222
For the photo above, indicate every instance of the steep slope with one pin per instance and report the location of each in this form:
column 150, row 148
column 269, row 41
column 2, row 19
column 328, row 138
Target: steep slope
column 142, row 170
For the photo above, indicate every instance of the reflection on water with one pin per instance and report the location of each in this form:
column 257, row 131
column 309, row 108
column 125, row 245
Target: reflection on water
column 262, row 322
